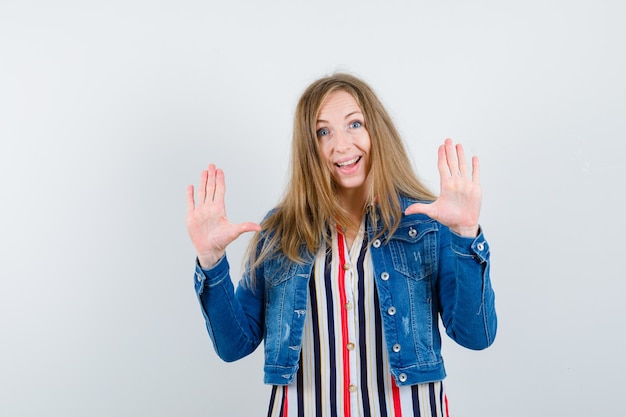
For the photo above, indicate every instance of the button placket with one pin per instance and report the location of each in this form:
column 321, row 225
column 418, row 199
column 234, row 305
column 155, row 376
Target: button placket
column 350, row 275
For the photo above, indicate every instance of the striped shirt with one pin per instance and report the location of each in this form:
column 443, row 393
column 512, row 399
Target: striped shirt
column 344, row 365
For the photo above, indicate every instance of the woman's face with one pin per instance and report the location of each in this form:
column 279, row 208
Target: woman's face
column 344, row 143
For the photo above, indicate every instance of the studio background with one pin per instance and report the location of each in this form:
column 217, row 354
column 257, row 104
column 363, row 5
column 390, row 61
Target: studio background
column 108, row 110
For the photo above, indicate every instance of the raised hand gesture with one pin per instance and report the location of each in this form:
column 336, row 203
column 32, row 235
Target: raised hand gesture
column 458, row 205
column 209, row 229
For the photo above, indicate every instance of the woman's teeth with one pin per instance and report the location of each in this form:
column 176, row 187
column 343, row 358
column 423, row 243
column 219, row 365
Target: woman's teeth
column 348, row 162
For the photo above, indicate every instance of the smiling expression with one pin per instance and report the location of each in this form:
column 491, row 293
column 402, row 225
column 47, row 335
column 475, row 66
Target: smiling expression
column 344, row 143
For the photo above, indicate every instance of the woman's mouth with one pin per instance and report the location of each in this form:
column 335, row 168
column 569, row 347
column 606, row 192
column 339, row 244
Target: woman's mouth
column 349, row 162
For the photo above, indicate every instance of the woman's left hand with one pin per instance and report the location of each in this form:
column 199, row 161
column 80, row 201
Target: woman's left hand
column 458, row 205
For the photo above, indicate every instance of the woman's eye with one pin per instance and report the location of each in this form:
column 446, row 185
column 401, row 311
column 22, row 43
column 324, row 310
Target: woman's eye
column 356, row 124
column 322, row 132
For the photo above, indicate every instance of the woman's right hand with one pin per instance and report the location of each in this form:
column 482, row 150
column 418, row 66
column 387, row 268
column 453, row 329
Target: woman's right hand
column 209, row 229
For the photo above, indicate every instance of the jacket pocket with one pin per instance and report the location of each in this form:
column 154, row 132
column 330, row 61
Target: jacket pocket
column 278, row 270
column 413, row 249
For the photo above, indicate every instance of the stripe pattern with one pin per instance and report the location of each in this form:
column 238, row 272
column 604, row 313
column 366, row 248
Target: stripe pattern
column 344, row 367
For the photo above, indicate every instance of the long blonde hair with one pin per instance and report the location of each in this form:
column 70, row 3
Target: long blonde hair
column 309, row 205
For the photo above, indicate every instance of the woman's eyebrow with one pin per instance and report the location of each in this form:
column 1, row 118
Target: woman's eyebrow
column 347, row 116
column 352, row 114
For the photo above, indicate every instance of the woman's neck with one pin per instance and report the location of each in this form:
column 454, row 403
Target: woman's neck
column 353, row 202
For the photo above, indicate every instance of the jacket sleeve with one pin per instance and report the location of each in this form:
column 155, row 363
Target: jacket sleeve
column 466, row 297
column 234, row 319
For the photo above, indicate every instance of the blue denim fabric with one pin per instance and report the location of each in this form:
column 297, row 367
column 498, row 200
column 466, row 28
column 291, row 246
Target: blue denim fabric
column 422, row 271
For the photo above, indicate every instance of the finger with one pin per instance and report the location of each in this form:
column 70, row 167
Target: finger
column 210, row 184
column 418, row 208
column 248, row 227
column 242, row 228
column 202, row 187
column 220, row 186
column 190, row 201
column 475, row 169
column 460, row 152
column 442, row 163
column 451, row 157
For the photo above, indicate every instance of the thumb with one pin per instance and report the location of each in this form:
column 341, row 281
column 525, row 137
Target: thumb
column 419, row 208
column 248, row 227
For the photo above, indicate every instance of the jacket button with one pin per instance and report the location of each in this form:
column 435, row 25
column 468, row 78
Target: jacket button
column 396, row 348
column 391, row 311
column 412, row 232
column 376, row 243
column 402, row 377
column 481, row 246
column 384, row 276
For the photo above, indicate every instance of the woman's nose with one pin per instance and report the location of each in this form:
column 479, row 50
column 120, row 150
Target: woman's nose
column 343, row 140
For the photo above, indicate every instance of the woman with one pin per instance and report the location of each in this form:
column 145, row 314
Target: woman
column 348, row 275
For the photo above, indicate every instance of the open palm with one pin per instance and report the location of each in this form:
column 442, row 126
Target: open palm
column 458, row 205
column 207, row 224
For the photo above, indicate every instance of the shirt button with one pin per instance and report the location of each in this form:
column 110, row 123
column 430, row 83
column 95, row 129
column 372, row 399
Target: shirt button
column 376, row 243
column 402, row 377
column 346, row 266
column 350, row 346
column 349, row 305
column 352, row 388
column 412, row 232
column 481, row 246
column 396, row 348
column 384, row 276
column 391, row 311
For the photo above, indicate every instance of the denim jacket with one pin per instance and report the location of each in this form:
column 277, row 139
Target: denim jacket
column 422, row 271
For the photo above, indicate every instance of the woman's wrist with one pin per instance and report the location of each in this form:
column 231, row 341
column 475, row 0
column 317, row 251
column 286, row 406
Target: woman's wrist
column 466, row 231
column 209, row 260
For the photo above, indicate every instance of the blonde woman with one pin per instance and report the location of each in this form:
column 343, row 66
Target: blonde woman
column 348, row 275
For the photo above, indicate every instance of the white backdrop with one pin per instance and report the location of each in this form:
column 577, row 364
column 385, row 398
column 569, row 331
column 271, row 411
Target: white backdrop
column 109, row 109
